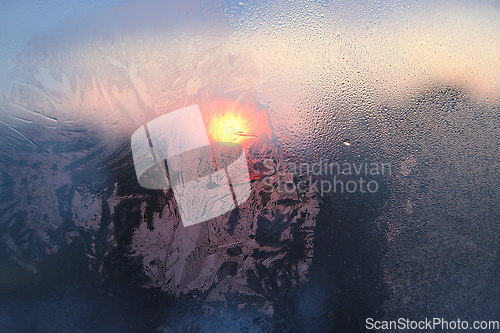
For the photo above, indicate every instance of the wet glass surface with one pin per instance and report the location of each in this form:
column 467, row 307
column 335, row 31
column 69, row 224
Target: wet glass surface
column 341, row 167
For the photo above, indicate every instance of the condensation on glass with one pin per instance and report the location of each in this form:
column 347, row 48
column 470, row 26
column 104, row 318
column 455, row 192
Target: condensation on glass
column 320, row 97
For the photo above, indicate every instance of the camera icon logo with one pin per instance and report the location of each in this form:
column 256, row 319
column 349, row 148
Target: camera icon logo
column 173, row 151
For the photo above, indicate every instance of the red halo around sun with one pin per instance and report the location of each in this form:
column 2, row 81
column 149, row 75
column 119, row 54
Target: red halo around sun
column 235, row 121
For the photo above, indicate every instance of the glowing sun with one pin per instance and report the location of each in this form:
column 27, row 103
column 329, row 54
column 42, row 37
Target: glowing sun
column 229, row 128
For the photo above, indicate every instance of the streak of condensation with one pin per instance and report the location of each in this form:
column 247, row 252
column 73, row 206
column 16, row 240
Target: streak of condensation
column 286, row 52
column 393, row 49
column 326, row 66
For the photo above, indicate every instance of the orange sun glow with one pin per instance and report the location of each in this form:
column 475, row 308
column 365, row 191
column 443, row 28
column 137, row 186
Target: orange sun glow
column 229, row 128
